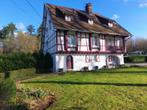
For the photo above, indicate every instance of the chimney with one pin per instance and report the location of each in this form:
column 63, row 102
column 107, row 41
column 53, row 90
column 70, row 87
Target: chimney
column 88, row 8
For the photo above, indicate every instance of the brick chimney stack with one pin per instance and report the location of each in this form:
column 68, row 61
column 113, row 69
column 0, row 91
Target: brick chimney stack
column 88, row 8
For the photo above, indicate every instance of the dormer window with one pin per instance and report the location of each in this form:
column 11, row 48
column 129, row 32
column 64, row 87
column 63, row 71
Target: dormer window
column 110, row 24
column 90, row 21
column 67, row 18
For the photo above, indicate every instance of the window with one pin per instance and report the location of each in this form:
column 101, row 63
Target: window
column 90, row 21
column 95, row 41
column 110, row 24
column 119, row 42
column 60, row 39
column 110, row 59
column 97, row 58
column 71, row 39
column 87, row 59
column 68, row 18
column 110, row 42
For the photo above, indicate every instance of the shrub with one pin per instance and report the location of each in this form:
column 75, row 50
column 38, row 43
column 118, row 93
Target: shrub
column 43, row 62
column 7, row 90
column 36, row 99
column 135, row 59
column 16, row 61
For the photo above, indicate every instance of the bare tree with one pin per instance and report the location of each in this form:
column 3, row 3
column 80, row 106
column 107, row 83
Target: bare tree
column 22, row 43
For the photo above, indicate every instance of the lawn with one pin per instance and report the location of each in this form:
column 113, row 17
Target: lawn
column 117, row 89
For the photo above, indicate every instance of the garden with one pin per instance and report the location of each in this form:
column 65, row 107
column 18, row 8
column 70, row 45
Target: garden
column 109, row 89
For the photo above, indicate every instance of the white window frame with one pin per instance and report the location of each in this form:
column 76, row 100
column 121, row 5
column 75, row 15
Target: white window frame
column 67, row 18
column 90, row 21
column 95, row 38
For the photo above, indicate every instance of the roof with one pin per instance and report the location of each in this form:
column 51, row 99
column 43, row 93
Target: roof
column 80, row 21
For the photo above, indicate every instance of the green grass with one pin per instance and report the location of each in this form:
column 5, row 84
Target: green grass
column 21, row 74
column 116, row 89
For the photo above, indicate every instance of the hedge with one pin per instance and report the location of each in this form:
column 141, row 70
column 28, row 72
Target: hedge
column 135, row 59
column 15, row 61
column 44, row 63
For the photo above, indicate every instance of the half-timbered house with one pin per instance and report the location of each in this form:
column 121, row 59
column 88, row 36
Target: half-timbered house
column 80, row 39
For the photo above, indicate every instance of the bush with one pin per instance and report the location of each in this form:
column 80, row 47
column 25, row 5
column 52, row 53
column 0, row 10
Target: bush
column 43, row 62
column 135, row 59
column 16, row 61
column 7, row 90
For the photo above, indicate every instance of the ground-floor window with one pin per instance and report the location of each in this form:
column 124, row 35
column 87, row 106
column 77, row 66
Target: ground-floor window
column 97, row 58
column 87, row 58
column 110, row 59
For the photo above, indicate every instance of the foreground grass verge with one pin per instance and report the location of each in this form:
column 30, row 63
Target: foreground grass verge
column 118, row 89
column 21, row 74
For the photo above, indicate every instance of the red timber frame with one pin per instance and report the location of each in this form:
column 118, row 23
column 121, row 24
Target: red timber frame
column 65, row 41
column 90, row 41
column 103, row 48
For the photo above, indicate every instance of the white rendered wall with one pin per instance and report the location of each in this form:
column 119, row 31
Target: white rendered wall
column 79, row 61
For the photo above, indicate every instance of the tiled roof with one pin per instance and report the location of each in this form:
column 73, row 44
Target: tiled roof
column 79, row 21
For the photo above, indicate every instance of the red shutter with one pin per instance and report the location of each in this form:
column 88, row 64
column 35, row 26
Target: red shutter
column 90, row 41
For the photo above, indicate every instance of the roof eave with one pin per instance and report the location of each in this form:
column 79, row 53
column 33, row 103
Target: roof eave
column 116, row 34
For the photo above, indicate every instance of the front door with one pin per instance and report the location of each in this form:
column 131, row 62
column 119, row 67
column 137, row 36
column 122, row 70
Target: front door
column 69, row 62
column 112, row 61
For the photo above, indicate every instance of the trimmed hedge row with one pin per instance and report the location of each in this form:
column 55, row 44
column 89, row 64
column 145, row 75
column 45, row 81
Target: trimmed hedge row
column 135, row 59
column 43, row 63
column 15, row 61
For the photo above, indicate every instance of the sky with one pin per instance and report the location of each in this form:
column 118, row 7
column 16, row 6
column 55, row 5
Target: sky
column 131, row 14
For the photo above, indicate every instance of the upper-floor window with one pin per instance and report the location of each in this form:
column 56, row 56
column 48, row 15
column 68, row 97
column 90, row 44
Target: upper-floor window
column 71, row 39
column 90, row 21
column 118, row 42
column 67, row 18
column 110, row 42
column 60, row 41
column 95, row 41
column 110, row 24
column 60, row 37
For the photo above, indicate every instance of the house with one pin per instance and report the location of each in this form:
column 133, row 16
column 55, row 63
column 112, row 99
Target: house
column 82, row 40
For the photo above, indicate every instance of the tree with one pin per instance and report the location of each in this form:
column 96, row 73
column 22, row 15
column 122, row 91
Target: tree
column 130, row 45
column 22, row 43
column 137, row 44
column 1, row 34
column 31, row 29
column 4, row 32
column 11, row 29
column 39, row 36
column 8, row 31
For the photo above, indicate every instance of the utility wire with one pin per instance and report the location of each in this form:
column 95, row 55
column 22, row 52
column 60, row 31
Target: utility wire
column 33, row 9
column 15, row 4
